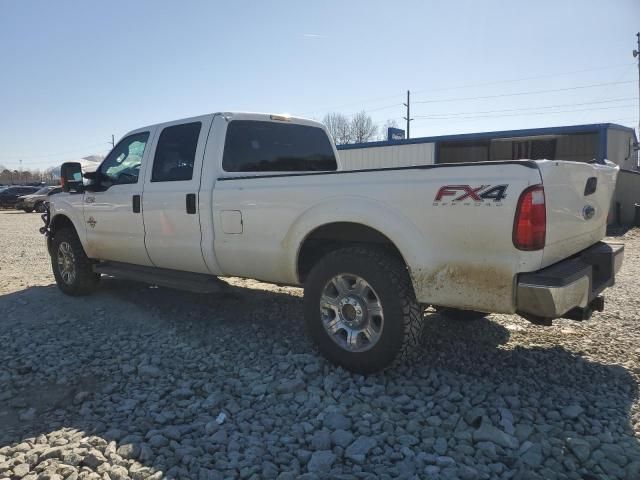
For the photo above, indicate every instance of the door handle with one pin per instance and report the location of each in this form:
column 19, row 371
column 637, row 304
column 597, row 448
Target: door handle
column 191, row 203
column 136, row 204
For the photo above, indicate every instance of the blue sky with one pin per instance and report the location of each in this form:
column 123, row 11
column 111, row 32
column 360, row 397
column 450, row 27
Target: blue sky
column 75, row 72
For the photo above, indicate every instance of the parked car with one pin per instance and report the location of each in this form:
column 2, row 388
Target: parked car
column 9, row 196
column 264, row 196
column 36, row 201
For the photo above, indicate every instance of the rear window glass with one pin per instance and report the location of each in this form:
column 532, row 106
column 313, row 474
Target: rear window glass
column 255, row 146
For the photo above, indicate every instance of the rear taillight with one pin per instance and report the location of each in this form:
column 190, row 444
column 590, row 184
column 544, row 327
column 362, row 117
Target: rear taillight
column 530, row 224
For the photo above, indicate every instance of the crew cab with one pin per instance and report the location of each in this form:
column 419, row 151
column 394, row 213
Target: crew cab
column 263, row 196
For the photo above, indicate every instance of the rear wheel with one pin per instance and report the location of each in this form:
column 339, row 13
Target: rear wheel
column 72, row 268
column 360, row 309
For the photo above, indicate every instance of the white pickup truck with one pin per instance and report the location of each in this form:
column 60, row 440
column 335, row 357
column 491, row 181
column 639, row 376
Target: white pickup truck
column 263, row 196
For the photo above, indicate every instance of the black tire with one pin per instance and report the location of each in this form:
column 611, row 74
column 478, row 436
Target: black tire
column 39, row 207
column 85, row 280
column 460, row 315
column 401, row 332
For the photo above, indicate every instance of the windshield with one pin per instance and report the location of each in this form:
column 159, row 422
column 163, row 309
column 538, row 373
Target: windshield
column 42, row 191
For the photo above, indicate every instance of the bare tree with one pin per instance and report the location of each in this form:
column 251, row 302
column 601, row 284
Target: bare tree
column 6, row 176
column 52, row 175
column 339, row 127
column 391, row 123
column 362, row 127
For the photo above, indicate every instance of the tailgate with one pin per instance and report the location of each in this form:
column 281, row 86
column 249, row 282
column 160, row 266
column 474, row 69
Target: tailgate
column 578, row 197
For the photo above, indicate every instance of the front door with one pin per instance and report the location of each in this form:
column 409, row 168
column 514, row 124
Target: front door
column 170, row 200
column 113, row 216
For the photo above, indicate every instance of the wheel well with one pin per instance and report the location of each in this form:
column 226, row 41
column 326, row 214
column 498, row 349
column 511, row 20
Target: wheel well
column 334, row 236
column 60, row 221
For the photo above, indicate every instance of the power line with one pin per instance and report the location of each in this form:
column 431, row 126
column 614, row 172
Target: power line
column 522, row 79
column 374, row 109
column 526, row 114
column 479, row 84
column 361, row 102
column 524, row 109
column 532, row 92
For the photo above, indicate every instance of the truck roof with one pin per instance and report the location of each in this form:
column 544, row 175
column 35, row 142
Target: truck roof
column 237, row 115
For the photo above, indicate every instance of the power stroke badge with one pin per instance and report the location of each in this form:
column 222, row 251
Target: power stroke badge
column 452, row 195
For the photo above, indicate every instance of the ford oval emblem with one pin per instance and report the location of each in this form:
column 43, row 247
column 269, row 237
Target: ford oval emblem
column 588, row 212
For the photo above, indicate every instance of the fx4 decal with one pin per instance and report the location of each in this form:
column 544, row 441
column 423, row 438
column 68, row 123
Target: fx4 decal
column 467, row 195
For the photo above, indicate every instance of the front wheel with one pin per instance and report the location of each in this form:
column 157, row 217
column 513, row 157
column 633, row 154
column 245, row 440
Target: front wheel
column 72, row 268
column 360, row 309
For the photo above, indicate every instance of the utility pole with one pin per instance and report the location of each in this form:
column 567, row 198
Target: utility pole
column 636, row 53
column 113, row 141
column 408, row 117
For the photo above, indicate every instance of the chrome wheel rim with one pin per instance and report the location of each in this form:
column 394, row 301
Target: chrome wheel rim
column 351, row 312
column 66, row 263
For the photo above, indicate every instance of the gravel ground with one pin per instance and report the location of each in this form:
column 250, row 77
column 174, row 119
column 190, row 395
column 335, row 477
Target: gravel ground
column 143, row 382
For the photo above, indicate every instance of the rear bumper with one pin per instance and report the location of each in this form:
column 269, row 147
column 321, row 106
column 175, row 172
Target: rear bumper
column 572, row 283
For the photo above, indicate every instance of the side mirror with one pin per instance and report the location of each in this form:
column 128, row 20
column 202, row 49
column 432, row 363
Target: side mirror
column 97, row 181
column 71, row 177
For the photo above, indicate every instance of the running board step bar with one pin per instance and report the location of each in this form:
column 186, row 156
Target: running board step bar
column 163, row 277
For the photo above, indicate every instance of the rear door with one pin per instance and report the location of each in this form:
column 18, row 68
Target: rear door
column 170, row 200
column 578, row 197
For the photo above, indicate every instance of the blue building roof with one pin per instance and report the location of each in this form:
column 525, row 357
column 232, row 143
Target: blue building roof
column 527, row 132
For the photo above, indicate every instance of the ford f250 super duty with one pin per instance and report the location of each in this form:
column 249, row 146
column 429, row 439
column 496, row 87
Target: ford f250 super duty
column 263, row 196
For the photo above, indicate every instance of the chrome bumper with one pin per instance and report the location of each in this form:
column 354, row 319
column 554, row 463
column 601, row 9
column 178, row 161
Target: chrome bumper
column 572, row 283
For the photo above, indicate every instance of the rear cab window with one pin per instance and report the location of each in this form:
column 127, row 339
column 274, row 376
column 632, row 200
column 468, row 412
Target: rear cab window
column 262, row 146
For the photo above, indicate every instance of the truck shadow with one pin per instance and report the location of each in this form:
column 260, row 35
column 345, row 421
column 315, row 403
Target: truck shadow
column 133, row 362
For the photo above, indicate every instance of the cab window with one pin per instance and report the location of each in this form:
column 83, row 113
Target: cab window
column 122, row 165
column 176, row 153
column 259, row 146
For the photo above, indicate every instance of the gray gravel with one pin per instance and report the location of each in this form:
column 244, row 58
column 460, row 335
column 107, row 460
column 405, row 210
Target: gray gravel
column 142, row 382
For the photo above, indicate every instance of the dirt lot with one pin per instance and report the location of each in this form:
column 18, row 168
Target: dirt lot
column 138, row 382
